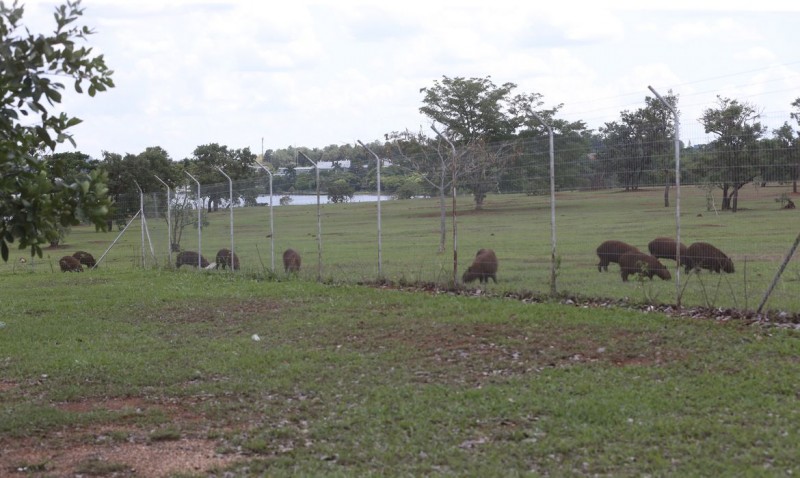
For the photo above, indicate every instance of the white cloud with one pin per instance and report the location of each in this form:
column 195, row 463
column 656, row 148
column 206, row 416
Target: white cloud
column 313, row 73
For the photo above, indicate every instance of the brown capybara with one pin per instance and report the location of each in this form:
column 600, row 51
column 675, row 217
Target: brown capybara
column 224, row 259
column 483, row 268
column 610, row 251
column 70, row 264
column 291, row 261
column 702, row 255
column 635, row 262
column 664, row 248
column 189, row 258
column 85, row 258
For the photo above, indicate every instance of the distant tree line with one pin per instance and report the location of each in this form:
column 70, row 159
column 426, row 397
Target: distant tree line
column 484, row 138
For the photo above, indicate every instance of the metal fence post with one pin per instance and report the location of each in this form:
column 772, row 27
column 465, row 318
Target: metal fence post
column 169, row 221
column 677, row 197
column 230, row 196
column 199, row 224
column 271, row 231
column 552, row 206
column 380, row 239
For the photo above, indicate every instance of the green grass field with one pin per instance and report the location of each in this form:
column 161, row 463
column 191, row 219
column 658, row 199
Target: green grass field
column 131, row 371
column 517, row 227
column 158, row 373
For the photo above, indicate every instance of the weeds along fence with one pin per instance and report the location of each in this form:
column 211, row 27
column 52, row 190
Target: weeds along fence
column 618, row 191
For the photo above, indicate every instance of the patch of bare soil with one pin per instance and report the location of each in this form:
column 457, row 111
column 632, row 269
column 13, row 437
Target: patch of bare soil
column 43, row 457
column 113, row 450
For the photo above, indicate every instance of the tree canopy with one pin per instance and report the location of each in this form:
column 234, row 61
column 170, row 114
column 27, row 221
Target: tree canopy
column 738, row 131
column 35, row 200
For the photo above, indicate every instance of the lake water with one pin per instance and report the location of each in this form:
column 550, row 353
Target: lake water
column 303, row 199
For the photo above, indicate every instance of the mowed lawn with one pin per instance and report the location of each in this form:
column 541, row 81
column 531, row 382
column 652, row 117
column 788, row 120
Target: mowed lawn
column 130, row 372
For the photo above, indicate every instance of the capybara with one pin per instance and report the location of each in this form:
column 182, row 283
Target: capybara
column 610, row 251
column 291, row 261
column 483, row 268
column 224, row 259
column 635, row 262
column 189, row 258
column 85, row 258
column 70, row 264
column 664, row 248
column 702, row 255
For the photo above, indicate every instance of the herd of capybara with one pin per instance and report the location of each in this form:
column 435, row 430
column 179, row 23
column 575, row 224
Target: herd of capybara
column 699, row 255
column 224, row 259
column 631, row 261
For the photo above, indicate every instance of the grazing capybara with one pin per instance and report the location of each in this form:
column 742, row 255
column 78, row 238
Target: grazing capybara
column 189, row 258
column 291, row 261
column 610, row 251
column 664, row 248
column 635, row 262
column 70, row 264
column 702, row 255
column 85, row 258
column 483, row 268
column 224, row 259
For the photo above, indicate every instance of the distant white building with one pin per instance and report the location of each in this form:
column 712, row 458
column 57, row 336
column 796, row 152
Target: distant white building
column 323, row 166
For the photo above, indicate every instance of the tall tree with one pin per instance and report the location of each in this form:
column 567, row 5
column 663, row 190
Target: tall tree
column 34, row 203
column 571, row 141
column 738, row 131
column 638, row 144
column 125, row 172
column 238, row 164
column 795, row 158
column 779, row 156
column 475, row 113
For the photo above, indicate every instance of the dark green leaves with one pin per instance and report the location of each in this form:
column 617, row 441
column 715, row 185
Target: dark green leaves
column 35, row 204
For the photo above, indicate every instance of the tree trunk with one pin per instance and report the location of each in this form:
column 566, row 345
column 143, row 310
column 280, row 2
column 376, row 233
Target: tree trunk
column 794, row 186
column 666, row 194
column 726, row 200
column 735, row 199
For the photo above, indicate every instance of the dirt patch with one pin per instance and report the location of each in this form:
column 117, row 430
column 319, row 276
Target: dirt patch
column 50, row 457
column 6, row 386
column 117, row 449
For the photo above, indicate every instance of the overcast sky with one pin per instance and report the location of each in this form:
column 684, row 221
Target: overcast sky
column 315, row 73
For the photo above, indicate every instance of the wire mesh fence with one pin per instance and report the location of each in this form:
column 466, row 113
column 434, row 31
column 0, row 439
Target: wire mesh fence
column 615, row 191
